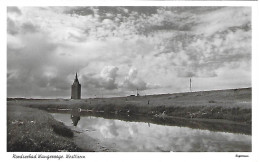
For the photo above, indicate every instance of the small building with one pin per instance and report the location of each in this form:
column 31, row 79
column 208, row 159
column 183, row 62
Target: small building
column 76, row 89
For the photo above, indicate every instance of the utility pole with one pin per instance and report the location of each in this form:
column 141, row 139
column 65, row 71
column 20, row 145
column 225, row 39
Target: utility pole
column 190, row 84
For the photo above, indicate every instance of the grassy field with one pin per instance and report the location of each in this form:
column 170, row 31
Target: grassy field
column 29, row 128
column 33, row 130
column 234, row 105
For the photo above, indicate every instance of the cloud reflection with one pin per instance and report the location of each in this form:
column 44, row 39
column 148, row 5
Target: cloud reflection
column 137, row 136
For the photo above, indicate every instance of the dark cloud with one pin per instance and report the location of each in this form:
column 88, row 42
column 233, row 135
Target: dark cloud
column 14, row 10
column 186, row 74
column 193, row 10
column 83, row 11
column 106, row 79
column 56, row 82
column 104, row 10
column 11, row 27
column 31, row 67
column 29, row 28
column 140, row 16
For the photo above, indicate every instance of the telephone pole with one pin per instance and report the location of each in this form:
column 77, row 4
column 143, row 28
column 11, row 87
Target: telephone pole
column 190, row 84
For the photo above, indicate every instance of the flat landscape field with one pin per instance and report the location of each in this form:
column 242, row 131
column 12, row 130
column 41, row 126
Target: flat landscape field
column 221, row 110
column 232, row 104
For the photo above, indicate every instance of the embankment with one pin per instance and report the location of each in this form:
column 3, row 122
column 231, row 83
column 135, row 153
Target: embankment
column 193, row 109
column 34, row 130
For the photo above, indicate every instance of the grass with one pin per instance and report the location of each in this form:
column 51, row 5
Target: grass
column 233, row 104
column 33, row 130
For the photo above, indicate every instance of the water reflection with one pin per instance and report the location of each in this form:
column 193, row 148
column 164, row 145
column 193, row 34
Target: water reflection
column 140, row 136
column 218, row 125
column 75, row 116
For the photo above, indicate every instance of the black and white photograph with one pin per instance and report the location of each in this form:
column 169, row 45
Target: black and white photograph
column 129, row 79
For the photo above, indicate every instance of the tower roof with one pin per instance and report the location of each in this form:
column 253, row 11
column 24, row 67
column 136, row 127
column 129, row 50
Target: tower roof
column 76, row 78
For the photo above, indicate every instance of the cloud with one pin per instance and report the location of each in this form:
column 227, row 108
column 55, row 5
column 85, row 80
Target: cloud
column 29, row 27
column 11, row 27
column 106, row 79
column 14, row 9
column 133, row 82
column 213, row 22
column 121, row 49
column 202, row 55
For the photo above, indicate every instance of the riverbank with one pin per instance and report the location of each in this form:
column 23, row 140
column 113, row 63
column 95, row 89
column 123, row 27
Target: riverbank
column 231, row 105
column 29, row 128
column 33, row 130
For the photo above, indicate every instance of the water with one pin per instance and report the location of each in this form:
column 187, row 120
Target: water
column 140, row 136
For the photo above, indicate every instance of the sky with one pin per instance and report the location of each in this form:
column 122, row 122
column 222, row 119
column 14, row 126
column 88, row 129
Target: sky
column 117, row 50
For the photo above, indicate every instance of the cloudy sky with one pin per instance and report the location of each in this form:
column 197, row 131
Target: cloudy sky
column 116, row 50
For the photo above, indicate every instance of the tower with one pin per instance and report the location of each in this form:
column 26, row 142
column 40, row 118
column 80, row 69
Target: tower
column 76, row 89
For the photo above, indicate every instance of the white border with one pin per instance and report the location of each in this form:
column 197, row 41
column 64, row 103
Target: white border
column 125, row 3
column 113, row 157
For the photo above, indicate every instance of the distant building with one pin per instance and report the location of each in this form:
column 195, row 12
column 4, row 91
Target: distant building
column 76, row 89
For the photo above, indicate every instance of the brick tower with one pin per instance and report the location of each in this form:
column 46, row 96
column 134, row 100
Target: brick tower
column 76, row 89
